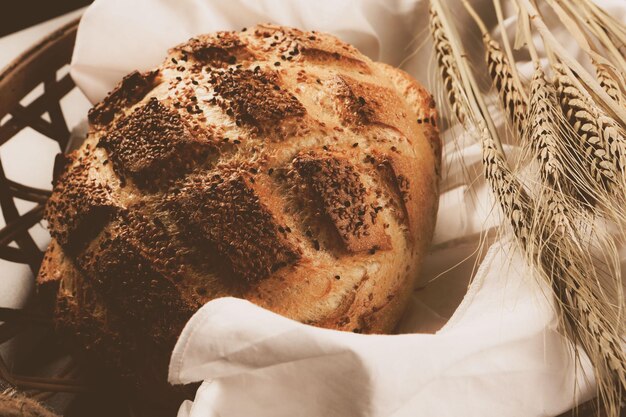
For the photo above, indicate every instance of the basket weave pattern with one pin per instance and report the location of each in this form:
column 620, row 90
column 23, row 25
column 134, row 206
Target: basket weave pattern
column 35, row 70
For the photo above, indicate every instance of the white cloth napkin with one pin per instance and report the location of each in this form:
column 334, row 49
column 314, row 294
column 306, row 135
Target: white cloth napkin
column 498, row 354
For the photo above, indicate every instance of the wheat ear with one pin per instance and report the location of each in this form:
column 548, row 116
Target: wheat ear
column 603, row 144
column 509, row 91
column 607, row 77
column 503, row 74
column 586, row 79
column 588, row 291
column 583, row 28
column 512, row 198
column 615, row 139
column 448, row 70
column 590, row 316
column 543, row 130
column 583, row 114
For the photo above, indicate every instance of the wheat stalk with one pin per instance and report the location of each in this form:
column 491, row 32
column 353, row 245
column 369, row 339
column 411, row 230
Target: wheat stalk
column 545, row 132
column 587, row 288
column 605, row 28
column 565, row 258
column 590, row 322
column 590, row 297
column 608, row 76
column 583, row 28
column 608, row 133
column 608, row 22
column 510, row 195
column 544, row 137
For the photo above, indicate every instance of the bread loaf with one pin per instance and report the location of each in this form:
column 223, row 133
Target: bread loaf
column 272, row 164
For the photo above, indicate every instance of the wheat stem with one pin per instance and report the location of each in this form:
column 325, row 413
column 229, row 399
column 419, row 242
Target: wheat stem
column 571, row 20
column 510, row 195
column 609, row 77
column 607, row 23
column 507, row 49
column 598, row 32
column 529, row 38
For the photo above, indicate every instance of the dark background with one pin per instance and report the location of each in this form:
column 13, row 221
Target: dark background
column 19, row 14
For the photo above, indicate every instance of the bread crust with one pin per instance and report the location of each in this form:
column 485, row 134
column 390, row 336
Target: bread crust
column 272, row 164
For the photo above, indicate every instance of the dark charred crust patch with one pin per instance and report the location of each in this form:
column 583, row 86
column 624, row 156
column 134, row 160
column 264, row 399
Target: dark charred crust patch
column 218, row 50
column 78, row 208
column 136, row 263
column 222, row 209
column 131, row 90
column 343, row 199
column 361, row 103
column 255, row 98
column 153, row 144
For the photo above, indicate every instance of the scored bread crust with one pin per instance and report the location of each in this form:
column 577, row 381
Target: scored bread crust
column 272, row 164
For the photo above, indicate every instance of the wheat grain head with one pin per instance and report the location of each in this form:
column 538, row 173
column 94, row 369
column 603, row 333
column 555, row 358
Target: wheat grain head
column 449, row 72
column 582, row 114
column 608, row 79
column 509, row 90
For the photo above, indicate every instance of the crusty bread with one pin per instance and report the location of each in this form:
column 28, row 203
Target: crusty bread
column 272, row 164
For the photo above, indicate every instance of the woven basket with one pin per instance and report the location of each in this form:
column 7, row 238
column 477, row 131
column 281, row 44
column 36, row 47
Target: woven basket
column 65, row 387
column 33, row 78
